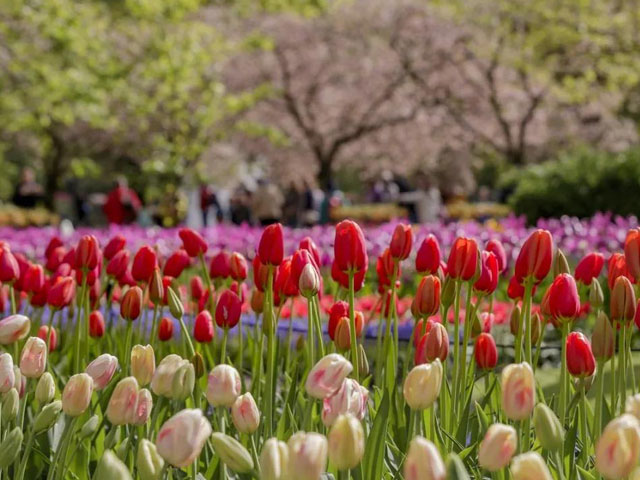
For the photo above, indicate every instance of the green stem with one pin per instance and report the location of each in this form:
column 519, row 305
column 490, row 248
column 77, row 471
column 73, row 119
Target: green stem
column 614, row 376
column 597, row 428
column 13, row 299
column 185, row 333
column 456, row 350
column 528, row 286
column 154, row 325
column 622, row 365
column 78, row 327
column 270, row 392
column 583, row 428
column 563, row 372
column 310, row 327
column 352, row 328
column 223, row 349
column 127, row 349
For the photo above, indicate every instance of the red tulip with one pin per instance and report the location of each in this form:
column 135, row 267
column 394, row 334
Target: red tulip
column 238, row 267
column 23, row 266
column 632, row 252
column 495, row 246
column 54, row 259
column 580, row 359
column 87, row 253
column 617, row 267
column 338, row 310
column 308, row 244
column 220, row 267
column 432, row 345
column 63, row 270
column 118, row 264
column 271, row 246
column 156, row 287
column 257, row 301
column 197, row 288
column 115, row 244
column 350, row 253
column 564, row 302
column 203, row 327
column 486, row 353
column 61, row 292
column 342, row 333
column 428, row 256
column 299, row 260
column 94, row 291
column 623, row 300
column 192, row 242
column 228, row 309
column 96, row 324
column 421, row 328
column 54, row 243
column 70, row 257
column 131, row 304
column 53, row 336
column 487, row 282
column 144, row 263
column 401, row 242
column 126, row 279
column 38, row 299
column 260, row 273
column 534, row 260
column 176, row 263
column 285, row 285
column 589, row 268
column 426, row 302
column 342, row 278
column 463, row 259
column 34, row 279
column 9, row 268
column 165, row 329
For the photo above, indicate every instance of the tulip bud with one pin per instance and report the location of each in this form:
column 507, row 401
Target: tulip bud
column 327, row 375
column 7, row 375
column 618, row 447
column 121, row 409
column 309, row 282
column 497, row 447
column 76, row 395
column 143, row 409
column 183, row 382
column 181, row 438
column 560, row 264
column 342, row 333
column 548, row 428
column 162, row 381
column 536, row 327
column 175, row 304
column 114, row 245
column 564, row 302
column 603, row 338
column 223, row 386
column 623, row 300
column 307, row 456
column 165, row 329
column 455, row 468
column 632, row 405
column 580, row 360
column 434, row 344
column 596, row 296
column 257, row 301
column 245, row 414
column 518, row 391
column 96, row 324
column 232, row 453
column 101, row 370
column 131, row 304
column 14, row 328
column 271, row 246
column 350, row 253
column 19, row 380
column 10, row 447
column 10, row 405
column 33, row 360
column 426, row 301
column 198, row 365
column 363, row 363
column 47, row 417
column 428, row 256
column 143, row 363
column 489, row 274
column 346, row 442
column 422, row 385
column 534, row 259
column 192, row 242
column 463, row 260
column 351, row 398
column 448, row 292
column 423, row 461
column 228, row 310
column 148, row 462
column 45, row 389
column 110, row 467
column 52, row 334
column 486, row 352
column 90, row 427
column 156, row 287
column 530, row 466
column 274, row 460
column 144, row 263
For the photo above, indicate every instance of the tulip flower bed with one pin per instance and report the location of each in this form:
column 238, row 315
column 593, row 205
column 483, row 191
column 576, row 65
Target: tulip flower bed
column 167, row 358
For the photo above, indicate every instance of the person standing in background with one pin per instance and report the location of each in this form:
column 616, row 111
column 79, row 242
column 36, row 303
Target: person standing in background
column 28, row 192
column 267, row 203
column 209, row 199
column 123, row 204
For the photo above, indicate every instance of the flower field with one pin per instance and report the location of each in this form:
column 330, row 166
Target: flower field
column 446, row 351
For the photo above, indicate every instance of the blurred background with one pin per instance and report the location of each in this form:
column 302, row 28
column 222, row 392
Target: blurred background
column 162, row 112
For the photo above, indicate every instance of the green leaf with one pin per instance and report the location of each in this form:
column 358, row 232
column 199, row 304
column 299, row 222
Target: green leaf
column 375, row 447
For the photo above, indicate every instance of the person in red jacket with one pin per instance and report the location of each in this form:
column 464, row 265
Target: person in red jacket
column 123, row 204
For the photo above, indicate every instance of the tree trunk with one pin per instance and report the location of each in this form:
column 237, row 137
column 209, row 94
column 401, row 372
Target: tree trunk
column 53, row 168
column 325, row 174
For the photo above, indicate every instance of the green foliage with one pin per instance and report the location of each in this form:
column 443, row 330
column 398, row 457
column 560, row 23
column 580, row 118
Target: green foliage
column 580, row 183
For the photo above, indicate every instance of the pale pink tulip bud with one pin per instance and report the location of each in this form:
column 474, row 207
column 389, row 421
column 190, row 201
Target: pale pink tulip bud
column 123, row 403
column 497, row 447
column 14, row 328
column 422, row 385
column 274, row 460
column 7, row 375
column 33, row 360
column 307, row 456
column 518, row 391
column 101, row 370
column 326, row 376
column 529, row 466
column 350, row 398
column 20, row 382
column 143, row 364
column 346, row 442
column 309, row 282
column 181, row 438
column 162, row 381
column 245, row 414
column 423, row 461
column 223, row 386
column 76, row 395
column 632, row 405
column 143, row 410
column 618, row 447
